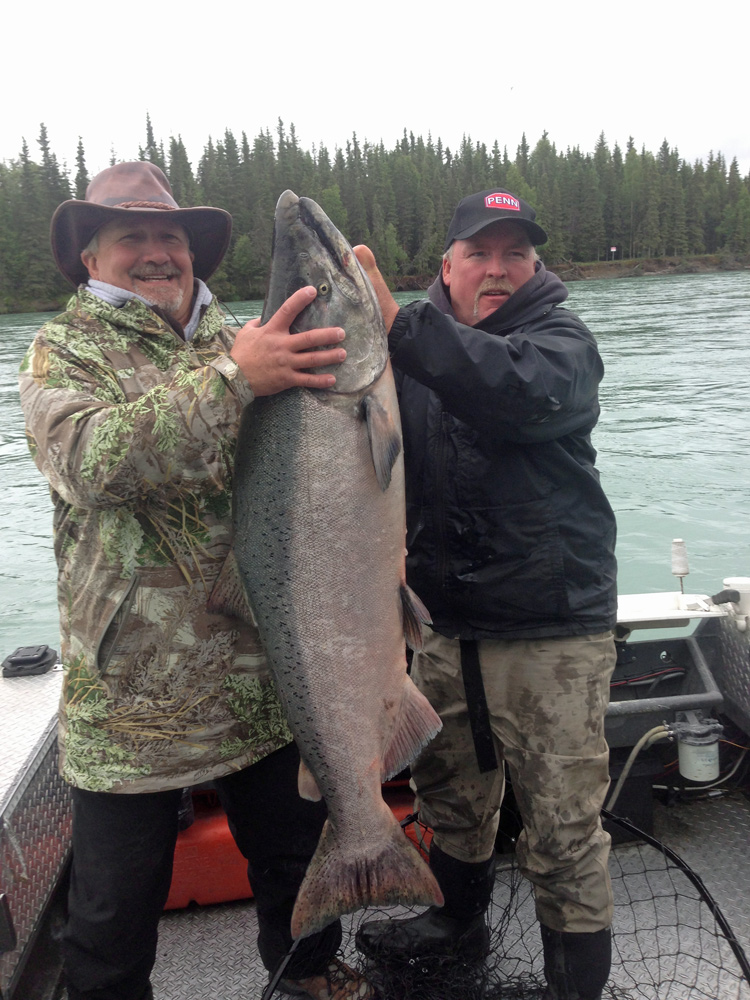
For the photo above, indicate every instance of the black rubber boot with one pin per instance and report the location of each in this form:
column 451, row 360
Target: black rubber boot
column 576, row 966
column 455, row 931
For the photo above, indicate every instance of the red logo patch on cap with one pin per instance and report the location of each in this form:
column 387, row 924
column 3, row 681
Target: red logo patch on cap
column 501, row 200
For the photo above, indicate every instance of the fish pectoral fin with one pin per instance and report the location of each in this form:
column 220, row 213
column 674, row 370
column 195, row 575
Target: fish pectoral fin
column 228, row 595
column 417, row 724
column 414, row 614
column 385, row 440
column 307, row 785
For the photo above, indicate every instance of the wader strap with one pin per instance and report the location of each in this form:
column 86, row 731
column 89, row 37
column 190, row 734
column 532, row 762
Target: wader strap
column 476, row 702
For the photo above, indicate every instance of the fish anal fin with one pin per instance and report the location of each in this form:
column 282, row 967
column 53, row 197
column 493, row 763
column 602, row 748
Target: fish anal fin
column 385, row 439
column 417, row 724
column 339, row 881
column 307, row 785
column 228, row 595
column 414, row 615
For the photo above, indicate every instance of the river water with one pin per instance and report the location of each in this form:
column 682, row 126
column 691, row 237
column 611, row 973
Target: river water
column 672, row 441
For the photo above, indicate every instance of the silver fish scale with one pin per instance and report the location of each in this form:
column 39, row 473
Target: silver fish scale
column 313, row 551
column 320, row 549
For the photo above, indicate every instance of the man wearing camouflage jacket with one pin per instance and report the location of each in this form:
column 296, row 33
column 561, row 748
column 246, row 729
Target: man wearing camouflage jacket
column 132, row 399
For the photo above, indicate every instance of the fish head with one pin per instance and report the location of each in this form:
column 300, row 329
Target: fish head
column 309, row 250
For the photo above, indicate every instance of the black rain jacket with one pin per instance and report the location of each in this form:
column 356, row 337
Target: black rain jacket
column 509, row 533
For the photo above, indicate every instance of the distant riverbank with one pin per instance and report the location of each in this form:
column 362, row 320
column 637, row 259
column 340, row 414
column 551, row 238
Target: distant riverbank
column 637, row 268
column 633, row 268
column 568, row 271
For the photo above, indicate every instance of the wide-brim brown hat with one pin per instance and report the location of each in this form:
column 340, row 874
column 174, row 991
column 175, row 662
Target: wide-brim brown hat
column 120, row 191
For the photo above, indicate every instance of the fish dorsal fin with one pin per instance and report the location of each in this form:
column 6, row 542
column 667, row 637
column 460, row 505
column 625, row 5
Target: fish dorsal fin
column 416, row 725
column 228, row 595
column 307, row 785
column 414, row 615
column 385, row 440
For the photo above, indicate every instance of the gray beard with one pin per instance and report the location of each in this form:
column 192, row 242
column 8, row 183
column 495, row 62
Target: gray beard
column 171, row 307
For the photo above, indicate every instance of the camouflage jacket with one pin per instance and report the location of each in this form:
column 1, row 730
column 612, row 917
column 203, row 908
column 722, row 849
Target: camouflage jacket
column 135, row 430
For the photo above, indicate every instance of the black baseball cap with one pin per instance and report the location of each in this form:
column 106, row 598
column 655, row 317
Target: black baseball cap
column 479, row 210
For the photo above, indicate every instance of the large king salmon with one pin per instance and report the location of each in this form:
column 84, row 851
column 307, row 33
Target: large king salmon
column 319, row 523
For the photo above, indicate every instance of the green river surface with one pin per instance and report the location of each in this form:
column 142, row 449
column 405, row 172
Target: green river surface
column 672, row 441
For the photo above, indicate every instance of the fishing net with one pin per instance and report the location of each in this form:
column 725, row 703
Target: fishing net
column 670, row 939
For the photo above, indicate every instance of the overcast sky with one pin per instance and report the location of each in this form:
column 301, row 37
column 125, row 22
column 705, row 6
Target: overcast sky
column 651, row 70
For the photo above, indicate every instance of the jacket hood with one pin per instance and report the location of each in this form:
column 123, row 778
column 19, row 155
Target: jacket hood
column 534, row 298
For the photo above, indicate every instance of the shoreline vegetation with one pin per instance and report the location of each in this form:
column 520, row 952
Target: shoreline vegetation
column 633, row 268
column 568, row 271
column 656, row 210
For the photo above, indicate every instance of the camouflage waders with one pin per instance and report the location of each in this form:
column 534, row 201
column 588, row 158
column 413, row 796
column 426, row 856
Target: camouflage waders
column 546, row 700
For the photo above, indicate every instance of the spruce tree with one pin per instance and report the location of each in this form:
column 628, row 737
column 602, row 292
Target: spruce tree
column 82, row 177
column 399, row 200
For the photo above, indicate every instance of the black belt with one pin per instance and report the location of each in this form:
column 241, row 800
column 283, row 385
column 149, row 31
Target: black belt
column 476, row 702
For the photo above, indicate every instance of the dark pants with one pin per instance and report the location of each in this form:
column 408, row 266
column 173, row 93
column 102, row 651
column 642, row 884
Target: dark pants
column 123, row 846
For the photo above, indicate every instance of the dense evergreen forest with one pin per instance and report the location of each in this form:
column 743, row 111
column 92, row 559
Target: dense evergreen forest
column 399, row 201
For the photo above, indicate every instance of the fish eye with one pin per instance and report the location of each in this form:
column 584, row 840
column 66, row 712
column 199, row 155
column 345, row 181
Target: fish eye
column 324, row 288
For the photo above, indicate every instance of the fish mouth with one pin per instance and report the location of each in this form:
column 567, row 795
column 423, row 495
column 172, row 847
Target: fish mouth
column 287, row 209
column 308, row 249
column 313, row 217
column 292, row 212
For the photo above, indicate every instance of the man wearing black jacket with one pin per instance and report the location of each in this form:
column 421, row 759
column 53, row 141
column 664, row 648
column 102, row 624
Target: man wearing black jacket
column 510, row 544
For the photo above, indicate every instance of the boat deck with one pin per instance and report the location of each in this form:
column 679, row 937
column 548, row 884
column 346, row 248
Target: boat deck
column 667, row 944
column 677, row 935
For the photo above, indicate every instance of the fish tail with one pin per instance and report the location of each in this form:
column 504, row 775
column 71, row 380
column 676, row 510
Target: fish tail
column 338, row 882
